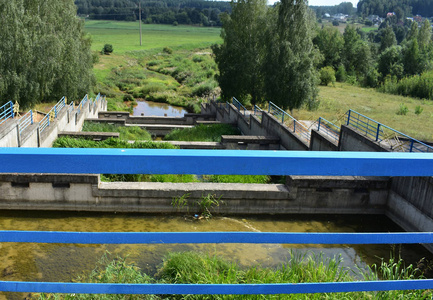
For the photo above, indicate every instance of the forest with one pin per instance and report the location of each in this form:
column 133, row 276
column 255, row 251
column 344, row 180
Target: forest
column 201, row 12
column 402, row 8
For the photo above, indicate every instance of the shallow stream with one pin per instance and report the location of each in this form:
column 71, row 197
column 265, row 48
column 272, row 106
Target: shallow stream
column 65, row 262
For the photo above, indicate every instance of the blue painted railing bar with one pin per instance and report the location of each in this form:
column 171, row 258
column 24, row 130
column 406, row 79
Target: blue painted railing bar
column 214, row 289
column 171, row 161
column 239, row 106
column 26, row 121
column 328, row 128
column 6, row 112
column 293, row 124
column 375, row 130
column 63, row 237
column 258, row 111
column 52, row 114
column 71, row 106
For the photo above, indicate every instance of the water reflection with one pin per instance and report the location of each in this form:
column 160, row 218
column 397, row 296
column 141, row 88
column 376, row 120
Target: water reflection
column 60, row 262
column 149, row 108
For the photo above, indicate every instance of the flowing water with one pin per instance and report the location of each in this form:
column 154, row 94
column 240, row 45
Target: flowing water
column 65, row 262
column 149, row 108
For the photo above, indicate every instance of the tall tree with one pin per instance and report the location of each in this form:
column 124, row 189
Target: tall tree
column 290, row 73
column 44, row 54
column 388, row 38
column 330, row 43
column 240, row 56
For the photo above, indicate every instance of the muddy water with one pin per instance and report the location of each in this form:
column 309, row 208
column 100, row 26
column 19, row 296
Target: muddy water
column 60, row 262
column 149, row 108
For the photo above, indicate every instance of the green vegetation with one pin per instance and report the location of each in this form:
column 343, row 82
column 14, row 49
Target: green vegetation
column 181, row 75
column 205, row 205
column 45, row 54
column 67, row 142
column 127, row 133
column 237, row 178
column 268, row 53
column 203, row 133
column 199, row 268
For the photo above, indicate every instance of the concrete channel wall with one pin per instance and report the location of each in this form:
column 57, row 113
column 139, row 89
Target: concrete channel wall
column 408, row 201
column 67, row 120
column 72, row 192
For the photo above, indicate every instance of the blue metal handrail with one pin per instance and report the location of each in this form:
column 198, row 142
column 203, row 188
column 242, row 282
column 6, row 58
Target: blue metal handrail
column 71, row 106
column 375, row 130
column 6, row 112
column 49, row 160
column 258, row 111
column 239, row 106
column 52, row 114
column 329, row 128
column 293, row 124
column 26, row 121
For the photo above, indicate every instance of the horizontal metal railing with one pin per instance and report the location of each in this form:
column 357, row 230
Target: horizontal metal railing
column 239, row 106
column 381, row 133
column 328, row 128
column 6, row 112
column 258, row 111
column 214, row 238
column 82, row 103
column 26, row 121
column 52, row 114
column 290, row 121
column 49, row 160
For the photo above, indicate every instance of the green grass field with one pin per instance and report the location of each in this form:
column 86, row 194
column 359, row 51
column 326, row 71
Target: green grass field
column 125, row 36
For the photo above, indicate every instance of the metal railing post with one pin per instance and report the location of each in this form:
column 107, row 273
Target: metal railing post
column 12, row 109
column 294, row 126
column 411, row 145
column 348, row 117
column 318, row 126
column 377, row 133
column 269, row 107
column 31, row 116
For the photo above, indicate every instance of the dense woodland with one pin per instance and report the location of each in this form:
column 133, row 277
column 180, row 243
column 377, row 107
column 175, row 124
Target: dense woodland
column 402, row 8
column 44, row 53
column 201, row 12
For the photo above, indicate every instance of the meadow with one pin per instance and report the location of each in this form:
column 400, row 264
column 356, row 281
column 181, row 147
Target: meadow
column 175, row 66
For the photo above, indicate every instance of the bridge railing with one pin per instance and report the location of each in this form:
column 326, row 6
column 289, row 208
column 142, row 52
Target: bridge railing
column 239, row 106
column 258, row 111
column 293, row 124
column 82, row 103
column 6, row 112
column 381, row 133
column 169, row 161
column 25, row 121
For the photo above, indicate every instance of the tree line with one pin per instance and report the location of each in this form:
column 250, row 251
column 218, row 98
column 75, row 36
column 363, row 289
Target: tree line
column 402, row 8
column 44, row 53
column 201, row 12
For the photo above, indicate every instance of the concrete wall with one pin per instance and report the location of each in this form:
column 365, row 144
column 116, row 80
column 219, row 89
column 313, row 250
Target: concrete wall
column 319, row 142
column 350, row 140
column 32, row 137
column 85, row 193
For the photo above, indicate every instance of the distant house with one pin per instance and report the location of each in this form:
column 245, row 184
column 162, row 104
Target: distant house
column 375, row 19
column 340, row 17
column 418, row 18
column 326, row 15
column 390, row 14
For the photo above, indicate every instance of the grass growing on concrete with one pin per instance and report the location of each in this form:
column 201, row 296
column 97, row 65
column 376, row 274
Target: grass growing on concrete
column 198, row 268
column 203, row 133
column 67, row 142
column 128, row 133
column 238, row 178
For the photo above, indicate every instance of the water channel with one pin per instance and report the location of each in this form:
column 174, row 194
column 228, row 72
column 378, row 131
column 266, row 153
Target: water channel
column 65, row 262
column 149, row 108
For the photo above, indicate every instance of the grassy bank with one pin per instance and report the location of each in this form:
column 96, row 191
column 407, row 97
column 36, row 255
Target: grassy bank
column 197, row 268
column 336, row 100
column 173, row 65
column 202, row 133
column 130, row 133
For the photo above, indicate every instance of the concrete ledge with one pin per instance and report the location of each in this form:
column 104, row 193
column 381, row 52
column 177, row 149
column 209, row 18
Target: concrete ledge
column 120, row 122
column 251, row 139
column 208, row 122
column 50, row 178
column 113, row 114
column 339, row 182
column 195, row 145
column 96, row 136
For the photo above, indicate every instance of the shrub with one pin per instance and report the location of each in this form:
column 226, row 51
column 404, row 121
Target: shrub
column 108, row 49
column 403, row 110
column 340, row 75
column 368, row 23
column 418, row 110
column 327, row 75
column 128, row 97
column 203, row 89
column 335, row 23
column 167, row 50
